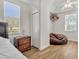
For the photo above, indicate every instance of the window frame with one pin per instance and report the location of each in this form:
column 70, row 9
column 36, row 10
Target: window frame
column 19, row 31
column 66, row 25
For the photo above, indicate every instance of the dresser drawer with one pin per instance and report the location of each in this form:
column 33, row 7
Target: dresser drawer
column 23, row 41
column 24, row 47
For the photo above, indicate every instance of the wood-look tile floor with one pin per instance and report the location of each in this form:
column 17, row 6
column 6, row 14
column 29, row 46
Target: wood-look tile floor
column 68, row 51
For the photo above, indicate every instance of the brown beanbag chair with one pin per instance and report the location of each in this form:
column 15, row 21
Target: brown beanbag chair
column 58, row 39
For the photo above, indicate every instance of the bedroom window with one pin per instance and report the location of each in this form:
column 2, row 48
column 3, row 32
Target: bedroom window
column 71, row 22
column 12, row 16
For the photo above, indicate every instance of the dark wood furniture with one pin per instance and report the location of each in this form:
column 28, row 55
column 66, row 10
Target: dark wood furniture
column 23, row 43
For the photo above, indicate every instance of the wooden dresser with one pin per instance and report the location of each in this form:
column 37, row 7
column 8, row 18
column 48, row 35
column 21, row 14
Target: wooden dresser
column 23, row 43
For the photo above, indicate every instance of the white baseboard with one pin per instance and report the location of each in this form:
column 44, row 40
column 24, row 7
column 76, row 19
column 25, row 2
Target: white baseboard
column 43, row 47
column 74, row 40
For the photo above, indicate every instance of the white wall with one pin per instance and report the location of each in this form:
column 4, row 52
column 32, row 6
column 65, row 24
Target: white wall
column 25, row 20
column 44, row 23
column 1, row 10
column 41, row 41
column 42, row 28
column 59, row 27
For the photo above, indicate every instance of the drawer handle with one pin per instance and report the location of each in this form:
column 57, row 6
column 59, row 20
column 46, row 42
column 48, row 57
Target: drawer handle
column 24, row 47
column 24, row 41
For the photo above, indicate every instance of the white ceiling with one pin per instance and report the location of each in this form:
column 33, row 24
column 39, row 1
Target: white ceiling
column 35, row 3
column 57, row 5
column 25, row 0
